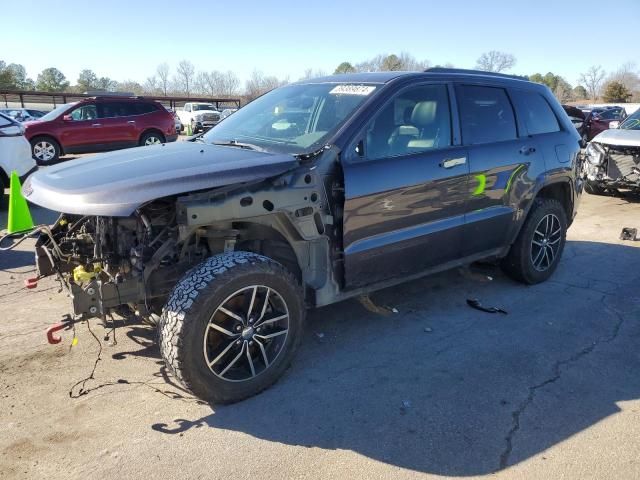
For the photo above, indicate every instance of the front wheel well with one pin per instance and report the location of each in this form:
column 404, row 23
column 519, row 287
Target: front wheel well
column 560, row 191
column 48, row 137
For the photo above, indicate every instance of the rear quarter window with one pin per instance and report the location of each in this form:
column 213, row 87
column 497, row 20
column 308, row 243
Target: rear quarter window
column 486, row 114
column 536, row 112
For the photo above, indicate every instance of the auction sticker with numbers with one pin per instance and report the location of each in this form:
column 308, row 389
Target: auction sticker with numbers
column 352, row 90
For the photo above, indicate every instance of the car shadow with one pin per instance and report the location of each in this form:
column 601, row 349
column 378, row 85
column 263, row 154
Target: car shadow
column 445, row 389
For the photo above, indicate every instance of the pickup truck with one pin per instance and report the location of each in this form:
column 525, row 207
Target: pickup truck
column 200, row 116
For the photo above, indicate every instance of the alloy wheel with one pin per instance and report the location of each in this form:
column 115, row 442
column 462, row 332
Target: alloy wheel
column 44, row 151
column 246, row 333
column 546, row 242
column 152, row 140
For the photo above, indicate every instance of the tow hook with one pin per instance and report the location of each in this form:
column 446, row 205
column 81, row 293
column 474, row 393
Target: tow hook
column 65, row 324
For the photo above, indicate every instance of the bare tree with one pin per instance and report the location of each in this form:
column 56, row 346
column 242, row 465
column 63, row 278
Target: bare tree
column 185, row 72
column 230, row 84
column 495, row 61
column 592, row 80
column 311, row 73
column 163, row 75
column 151, row 85
column 259, row 84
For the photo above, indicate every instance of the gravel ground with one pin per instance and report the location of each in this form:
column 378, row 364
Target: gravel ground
column 550, row 390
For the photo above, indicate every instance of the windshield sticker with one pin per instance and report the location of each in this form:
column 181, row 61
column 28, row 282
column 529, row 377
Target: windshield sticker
column 363, row 90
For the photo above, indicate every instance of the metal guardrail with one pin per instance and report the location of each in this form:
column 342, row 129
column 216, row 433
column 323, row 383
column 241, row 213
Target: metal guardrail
column 58, row 98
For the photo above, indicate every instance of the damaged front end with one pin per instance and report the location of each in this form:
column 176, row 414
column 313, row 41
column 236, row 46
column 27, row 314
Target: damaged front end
column 613, row 167
column 121, row 264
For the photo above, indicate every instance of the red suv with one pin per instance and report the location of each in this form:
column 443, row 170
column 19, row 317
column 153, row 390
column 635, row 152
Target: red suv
column 99, row 124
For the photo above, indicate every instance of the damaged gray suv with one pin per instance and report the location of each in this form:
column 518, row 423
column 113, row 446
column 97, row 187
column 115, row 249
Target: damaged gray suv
column 313, row 193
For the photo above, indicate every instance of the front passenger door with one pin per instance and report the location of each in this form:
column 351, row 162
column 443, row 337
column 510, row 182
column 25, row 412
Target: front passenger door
column 404, row 189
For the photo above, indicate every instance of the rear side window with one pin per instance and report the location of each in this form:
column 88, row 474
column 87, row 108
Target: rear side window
column 144, row 107
column 486, row 115
column 536, row 113
column 118, row 109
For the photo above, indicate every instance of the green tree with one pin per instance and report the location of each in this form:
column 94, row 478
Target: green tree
column 580, row 92
column 20, row 80
column 87, row 81
column 391, row 63
column 105, row 83
column 52, row 80
column 616, row 92
column 344, row 67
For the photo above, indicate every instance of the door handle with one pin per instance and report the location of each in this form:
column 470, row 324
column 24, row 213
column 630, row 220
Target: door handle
column 527, row 150
column 96, row 124
column 131, row 121
column 452, row 162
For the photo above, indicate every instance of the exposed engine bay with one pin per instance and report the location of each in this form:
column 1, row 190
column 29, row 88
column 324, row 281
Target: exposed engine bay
column 113, row 262
column 130, row 264
column 613, row 167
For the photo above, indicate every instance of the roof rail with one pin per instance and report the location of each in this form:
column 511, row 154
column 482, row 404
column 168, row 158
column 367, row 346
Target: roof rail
column 474, row 72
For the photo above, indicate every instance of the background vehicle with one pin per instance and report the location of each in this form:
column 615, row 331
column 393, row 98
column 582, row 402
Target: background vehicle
column 99, row 124
column 313, row 193
column 15, row 153
column 601, row 119
column 179, row 125
column 577, row 117
column 613, row 158
column 226, row 112
column 201, row 116
column 23, row 114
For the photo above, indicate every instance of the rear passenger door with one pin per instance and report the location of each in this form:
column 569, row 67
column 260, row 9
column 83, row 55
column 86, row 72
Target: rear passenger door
column 501, row 156
column 405, row 188
column 119, row 123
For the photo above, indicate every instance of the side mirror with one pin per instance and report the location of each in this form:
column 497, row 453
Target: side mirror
column 67, row 118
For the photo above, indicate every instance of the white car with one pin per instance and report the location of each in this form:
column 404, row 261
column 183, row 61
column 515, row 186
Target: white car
column 200, row 116
column 15, row 152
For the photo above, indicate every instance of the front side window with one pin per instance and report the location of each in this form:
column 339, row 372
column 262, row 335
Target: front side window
column 85, row 112
column 417, row 120
column 486, row 115
column 632, row 122
column 536, row 112
column 292, row 119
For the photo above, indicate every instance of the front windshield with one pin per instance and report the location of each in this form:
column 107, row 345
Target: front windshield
column 632, row 122
column 292, row 119
column 55, row 113
column 203, row 106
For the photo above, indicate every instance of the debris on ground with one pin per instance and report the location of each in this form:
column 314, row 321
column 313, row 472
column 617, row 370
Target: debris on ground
column 629, row 233
column 475, row 303
column 367, row 303
column 469, row 274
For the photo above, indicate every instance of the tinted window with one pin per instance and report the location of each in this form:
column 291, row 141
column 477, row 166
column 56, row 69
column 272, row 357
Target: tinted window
column 85, row 112
column 143, row 107
column 417, row 120
column 118, row 109
column 486, row 115
column 536, row 113
column 611, row 115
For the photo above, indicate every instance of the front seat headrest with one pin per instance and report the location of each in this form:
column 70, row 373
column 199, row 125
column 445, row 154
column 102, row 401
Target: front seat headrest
column 424, row 113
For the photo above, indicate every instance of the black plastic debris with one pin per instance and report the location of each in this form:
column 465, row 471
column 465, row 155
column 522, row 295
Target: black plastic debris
column 475, row 303
column 629, row 233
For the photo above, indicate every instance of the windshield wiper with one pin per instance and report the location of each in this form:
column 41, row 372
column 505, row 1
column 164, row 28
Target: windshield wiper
column 234, row 143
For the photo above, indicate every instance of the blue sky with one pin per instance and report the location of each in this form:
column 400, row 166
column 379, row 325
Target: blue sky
column 128, row 39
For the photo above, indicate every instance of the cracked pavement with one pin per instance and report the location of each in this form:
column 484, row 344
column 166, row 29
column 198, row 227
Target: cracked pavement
column 550, row 390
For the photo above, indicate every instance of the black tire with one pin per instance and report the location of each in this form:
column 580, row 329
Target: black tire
column 521, row 263
column 4, row 203
column 187, row 334
column 151, row 138
column 45, row 150
column 594, row 189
